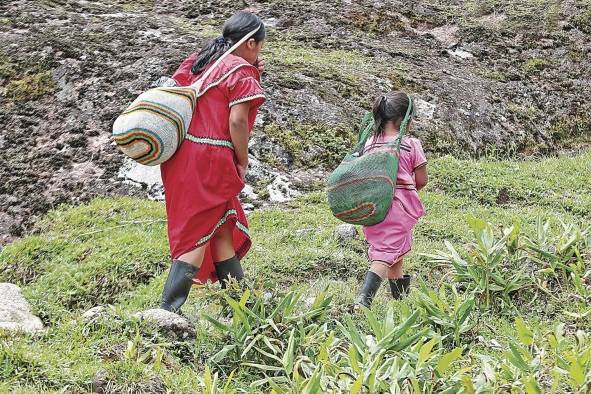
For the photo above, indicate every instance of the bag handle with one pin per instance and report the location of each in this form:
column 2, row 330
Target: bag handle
column 403, row 125
column 197, row 85
column 366, row 132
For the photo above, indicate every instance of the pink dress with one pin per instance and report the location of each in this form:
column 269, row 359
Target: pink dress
column 392, row 239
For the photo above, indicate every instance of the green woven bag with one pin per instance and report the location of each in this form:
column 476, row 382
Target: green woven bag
column 361, row 188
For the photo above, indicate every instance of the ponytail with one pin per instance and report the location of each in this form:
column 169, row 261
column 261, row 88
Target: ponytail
column 210, row 53
column 379, row 111
column 396, row 107
column 235, row 28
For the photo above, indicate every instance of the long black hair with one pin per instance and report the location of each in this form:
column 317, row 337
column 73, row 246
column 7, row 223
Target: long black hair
column 390, row 107
column 235, row 28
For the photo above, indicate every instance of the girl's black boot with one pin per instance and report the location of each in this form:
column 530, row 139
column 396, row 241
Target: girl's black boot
column 177, row 286
column 400, row 287
column 370, row 287
column 229, row 269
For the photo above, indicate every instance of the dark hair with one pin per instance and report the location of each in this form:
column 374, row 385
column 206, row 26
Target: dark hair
column 390, row 107
column 235, row 28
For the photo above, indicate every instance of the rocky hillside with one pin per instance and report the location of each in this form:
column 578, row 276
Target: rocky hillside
column 501, row 77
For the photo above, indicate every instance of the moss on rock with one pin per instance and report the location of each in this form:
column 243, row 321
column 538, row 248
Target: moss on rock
column 30, row 87
column 313, row 144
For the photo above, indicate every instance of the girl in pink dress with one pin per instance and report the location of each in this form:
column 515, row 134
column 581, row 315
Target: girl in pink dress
column 390, row 240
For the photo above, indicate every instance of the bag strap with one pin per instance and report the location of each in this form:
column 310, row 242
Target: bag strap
column 403, row 125
column 197, row 85
column 365, row 131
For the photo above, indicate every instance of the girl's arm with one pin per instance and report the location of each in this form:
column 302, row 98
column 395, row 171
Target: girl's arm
column 421, row 177
column 240, row 133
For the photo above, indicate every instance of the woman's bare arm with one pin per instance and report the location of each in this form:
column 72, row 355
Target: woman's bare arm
column 240, row 134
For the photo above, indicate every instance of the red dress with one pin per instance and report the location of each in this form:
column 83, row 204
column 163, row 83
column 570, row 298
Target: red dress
column 201, row 182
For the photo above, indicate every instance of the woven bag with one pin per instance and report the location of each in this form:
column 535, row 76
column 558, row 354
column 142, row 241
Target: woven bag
column 152, row 128
column 361, row 188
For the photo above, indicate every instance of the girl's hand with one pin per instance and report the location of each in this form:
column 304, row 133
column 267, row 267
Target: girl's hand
column 260, row 64
column 242, row 168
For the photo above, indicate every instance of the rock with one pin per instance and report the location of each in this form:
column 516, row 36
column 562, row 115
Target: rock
column 100, row 382
column 147, row 177
column 346, row 233
column 94, row 313
column 281, row 190
column 248, row 192
column 168, row 322
column 15, row 311
column 265, row 148
column 303, row 232
column 425, row 110
column 460, row 54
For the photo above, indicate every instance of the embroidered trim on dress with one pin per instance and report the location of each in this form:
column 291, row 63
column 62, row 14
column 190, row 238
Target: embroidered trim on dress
column 243, row 228
column 218, row 225
column 222, row 221
column 246, row 98
column 210, row 141
column 245, row 79
column 221, row 79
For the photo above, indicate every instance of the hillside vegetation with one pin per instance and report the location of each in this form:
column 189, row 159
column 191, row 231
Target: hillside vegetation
column 499, row 307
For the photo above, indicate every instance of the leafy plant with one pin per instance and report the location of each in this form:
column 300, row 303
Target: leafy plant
column 490, row 266
column 258, row 335
column 559, row 256
column 450, row 314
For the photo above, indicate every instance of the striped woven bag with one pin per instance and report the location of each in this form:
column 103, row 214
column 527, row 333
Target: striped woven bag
column 152, row 128
column 361, row 188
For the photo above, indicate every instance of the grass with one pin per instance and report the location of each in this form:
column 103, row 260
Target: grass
column 114, row 251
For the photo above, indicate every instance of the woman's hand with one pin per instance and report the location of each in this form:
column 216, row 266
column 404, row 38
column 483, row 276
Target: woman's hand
column 242, row 168
column 260, row 64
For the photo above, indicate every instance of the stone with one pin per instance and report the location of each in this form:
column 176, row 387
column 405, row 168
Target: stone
column 346, row 233
column 100, row 382
column 248, row 192
column 281, row 190
column 460, row 54
column 147, row 177
column 168, row 322
column 15, row 311
column 263, row 147
column 425, row 110
column 94, row 313
column 304, row 232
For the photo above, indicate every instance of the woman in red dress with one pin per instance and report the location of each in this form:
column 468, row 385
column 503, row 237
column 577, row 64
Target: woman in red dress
column 207, row 228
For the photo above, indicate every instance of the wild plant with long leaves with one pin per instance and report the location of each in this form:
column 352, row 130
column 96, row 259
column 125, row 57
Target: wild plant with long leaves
column 257, row 335
column 491, row 267
column 559, row 255
column 448, row 312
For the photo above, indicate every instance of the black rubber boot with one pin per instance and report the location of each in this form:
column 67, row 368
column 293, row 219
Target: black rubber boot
column 177, row 286
column 400, row 287
column 229, row 269
column 370, row 287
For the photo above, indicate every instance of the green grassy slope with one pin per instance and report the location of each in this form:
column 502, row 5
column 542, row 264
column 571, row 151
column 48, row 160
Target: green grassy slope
column 114, row 251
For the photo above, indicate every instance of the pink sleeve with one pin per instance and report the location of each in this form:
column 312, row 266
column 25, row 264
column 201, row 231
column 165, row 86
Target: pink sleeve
column 245, row 86
column 183, row 75
column 418, row 155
